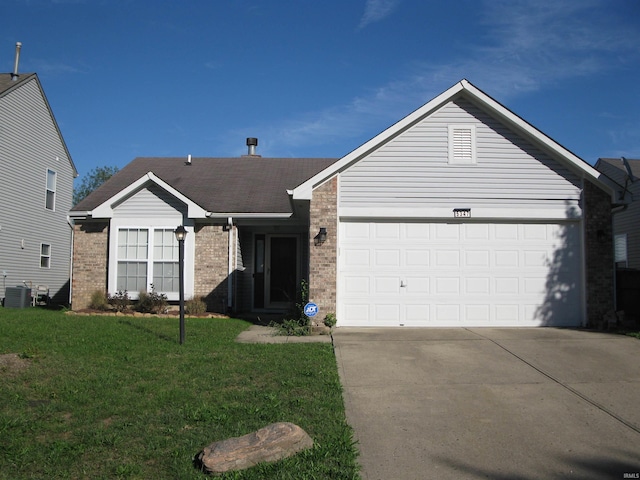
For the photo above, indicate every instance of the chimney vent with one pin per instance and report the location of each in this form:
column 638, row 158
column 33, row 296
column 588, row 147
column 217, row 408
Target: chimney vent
column 14, row 75
column 252, row 143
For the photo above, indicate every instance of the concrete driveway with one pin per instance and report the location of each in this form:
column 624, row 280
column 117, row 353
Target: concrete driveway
column 492, row 403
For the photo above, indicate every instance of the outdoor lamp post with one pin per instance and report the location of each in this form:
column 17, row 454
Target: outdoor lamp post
column 181, row 233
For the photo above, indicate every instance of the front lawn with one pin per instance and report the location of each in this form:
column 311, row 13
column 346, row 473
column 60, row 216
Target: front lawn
column 118, row 397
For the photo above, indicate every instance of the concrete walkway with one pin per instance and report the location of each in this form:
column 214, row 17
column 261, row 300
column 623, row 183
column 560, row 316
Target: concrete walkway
column 492, row 403
column 260, row 334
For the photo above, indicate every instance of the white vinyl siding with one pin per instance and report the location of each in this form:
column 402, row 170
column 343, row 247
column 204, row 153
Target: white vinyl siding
column 412, row 172
column 31, row 144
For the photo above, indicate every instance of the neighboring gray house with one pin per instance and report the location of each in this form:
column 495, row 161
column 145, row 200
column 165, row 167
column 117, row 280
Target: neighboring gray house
column 36, row 189
column 460, row 214
column 626, row 220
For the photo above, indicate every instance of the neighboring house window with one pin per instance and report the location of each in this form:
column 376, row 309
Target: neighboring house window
column 50, row 201
column 45, row 255
column 620, row 245
column 147, row 256
column 462, row 144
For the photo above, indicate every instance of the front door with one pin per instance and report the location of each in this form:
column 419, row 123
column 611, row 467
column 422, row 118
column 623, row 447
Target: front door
column 281, row 270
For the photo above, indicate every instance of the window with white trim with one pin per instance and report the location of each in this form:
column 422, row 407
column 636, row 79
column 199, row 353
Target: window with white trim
column 50, row 193
column 145, row 257
column 620, row 249
column 165, row 261
column 462, row 144
column 45, row 255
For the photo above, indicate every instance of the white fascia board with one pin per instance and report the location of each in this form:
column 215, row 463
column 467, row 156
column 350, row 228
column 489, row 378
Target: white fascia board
column 440, row 214
column 105, row 210
column 304, row 190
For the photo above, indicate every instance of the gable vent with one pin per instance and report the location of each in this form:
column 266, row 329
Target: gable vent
column 462, row 144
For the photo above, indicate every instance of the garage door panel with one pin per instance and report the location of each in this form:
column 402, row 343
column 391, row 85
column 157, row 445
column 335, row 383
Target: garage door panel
column 359, row 285
column 447, row 258
column 476, row 285
column 460, row 274
column 387, row 286
column 387, row 258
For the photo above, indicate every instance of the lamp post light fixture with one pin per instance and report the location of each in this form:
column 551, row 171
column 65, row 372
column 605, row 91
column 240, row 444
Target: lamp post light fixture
column 181, row 233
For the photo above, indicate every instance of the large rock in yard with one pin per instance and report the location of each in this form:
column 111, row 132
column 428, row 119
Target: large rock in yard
column 271, row 443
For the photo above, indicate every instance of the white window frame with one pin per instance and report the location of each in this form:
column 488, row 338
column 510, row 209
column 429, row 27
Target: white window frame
column 117, row 226
column 45, row 256
column 462, row 154
column 52, row 190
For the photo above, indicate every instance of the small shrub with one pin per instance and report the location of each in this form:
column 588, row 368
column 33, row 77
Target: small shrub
column 330, row 320
column 120, row 301
column 195, row 306
column 296, row 323
column 99, row 300
column 152, row 302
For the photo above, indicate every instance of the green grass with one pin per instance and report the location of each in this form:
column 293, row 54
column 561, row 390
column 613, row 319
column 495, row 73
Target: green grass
column 118, row 397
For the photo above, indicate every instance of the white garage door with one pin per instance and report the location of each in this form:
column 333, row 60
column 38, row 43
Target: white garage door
column 459, row 274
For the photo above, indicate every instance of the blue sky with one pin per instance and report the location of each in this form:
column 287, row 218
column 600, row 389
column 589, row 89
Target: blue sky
column 309, row 78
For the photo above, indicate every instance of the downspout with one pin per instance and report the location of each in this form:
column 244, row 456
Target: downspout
column 230, row 266
column 71, row 224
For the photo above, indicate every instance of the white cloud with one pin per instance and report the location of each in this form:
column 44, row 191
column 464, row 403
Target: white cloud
column 376, row 10
column 529, row 44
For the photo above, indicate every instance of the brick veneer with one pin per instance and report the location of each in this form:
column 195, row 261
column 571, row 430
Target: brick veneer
column 322, row 258
column 90, row 259
column 211, row 266
column 598, row 252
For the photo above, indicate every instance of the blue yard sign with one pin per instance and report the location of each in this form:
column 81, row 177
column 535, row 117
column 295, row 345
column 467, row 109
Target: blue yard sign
column 311, row 309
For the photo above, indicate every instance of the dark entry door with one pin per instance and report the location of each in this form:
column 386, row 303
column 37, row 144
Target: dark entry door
column 282, row 270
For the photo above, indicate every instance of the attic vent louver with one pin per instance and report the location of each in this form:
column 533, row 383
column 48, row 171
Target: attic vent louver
column 462, row 144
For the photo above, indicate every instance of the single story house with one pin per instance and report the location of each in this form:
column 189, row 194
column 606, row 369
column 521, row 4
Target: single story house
column 460, row 214
column 626, row 220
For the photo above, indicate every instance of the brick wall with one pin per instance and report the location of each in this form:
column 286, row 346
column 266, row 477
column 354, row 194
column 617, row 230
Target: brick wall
column 598, row 253
column 323, row 258
column 90, row 258
column 211, row 266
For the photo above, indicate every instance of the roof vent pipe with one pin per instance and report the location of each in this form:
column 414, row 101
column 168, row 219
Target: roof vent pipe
column 14, row 75
column 189, row 159
column 252, row 143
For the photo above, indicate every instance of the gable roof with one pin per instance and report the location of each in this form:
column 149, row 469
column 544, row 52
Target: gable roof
column 468, row 91
column 625, row 167
column 8, row 85
column 220, row 186
column 624, row 171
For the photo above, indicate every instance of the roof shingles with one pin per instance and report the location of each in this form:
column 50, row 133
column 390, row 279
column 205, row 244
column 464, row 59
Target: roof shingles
column 219, row 185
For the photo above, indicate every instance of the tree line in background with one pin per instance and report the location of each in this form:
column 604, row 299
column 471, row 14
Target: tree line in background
column 91, row 181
